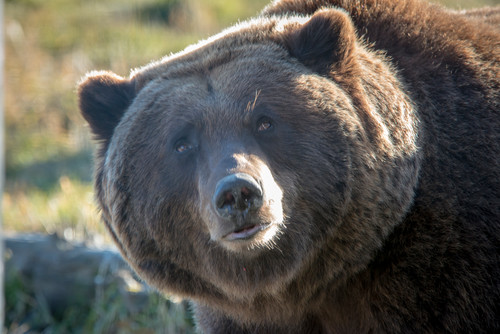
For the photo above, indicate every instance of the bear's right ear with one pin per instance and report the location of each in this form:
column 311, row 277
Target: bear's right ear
column 325, row 42
column 103, row 99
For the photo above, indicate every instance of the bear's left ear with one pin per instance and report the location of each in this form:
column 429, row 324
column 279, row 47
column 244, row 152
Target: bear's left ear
column 103, row 98
column 325, row 42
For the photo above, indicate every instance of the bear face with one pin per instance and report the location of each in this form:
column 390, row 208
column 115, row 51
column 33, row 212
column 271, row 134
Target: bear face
column 252, row 162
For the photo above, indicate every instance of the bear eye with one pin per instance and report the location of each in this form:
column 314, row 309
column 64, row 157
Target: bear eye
column 183, row 146
column 264, row 124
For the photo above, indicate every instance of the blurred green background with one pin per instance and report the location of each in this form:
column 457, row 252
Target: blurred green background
column 50, row 45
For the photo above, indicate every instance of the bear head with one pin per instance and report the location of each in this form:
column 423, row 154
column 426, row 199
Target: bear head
column 279, row 150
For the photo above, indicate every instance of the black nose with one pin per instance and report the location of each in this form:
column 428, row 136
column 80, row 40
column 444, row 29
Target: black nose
column 237, row 194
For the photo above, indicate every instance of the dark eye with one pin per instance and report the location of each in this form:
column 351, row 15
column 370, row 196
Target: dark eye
column 264, row 124
column 182, row 146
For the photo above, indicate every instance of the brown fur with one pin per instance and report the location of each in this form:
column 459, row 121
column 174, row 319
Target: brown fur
column 489, row 15
column 374, row 133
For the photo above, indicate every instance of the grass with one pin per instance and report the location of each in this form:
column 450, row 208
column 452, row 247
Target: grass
column 50, row 45
column 109, row 311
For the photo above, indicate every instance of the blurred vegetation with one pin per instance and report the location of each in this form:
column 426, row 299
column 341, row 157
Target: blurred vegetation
column 110, row 311
column 50, row 45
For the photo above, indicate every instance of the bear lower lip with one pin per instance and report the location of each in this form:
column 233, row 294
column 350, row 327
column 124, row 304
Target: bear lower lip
column 244, row 233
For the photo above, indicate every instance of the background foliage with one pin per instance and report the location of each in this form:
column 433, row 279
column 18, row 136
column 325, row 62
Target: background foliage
column 50, row 45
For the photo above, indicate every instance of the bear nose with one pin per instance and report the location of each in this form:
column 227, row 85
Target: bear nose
column 237, row 194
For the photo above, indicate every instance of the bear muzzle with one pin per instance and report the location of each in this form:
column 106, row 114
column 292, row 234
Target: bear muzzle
column 237, row 195
column 238, row 198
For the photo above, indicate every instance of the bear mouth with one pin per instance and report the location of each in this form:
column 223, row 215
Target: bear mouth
column 245, row 233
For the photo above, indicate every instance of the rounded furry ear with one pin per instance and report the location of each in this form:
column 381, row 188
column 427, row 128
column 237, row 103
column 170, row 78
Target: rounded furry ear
column 325, row 42
column 103, row 99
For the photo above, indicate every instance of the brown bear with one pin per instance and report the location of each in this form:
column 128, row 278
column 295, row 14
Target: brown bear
column 327, row 167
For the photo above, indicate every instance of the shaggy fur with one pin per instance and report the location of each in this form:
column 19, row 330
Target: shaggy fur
column 371, row 131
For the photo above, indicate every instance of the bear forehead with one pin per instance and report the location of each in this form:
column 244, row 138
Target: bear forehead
column 228, row 72
column 228, row 90
column 203, row 102
column 234, row 77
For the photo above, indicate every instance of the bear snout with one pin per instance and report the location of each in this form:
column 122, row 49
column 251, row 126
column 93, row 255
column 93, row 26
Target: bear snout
column 236, row 196
column 241, row 202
